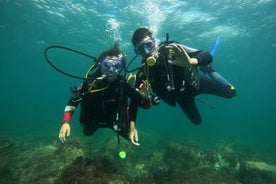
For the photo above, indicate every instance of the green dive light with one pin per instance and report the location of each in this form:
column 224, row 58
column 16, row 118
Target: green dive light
column 122, row 154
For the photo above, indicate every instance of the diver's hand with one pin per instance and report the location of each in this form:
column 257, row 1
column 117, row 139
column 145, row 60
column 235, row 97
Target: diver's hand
column 133, row 134
column 178, row 56
column 64, row 131
column 144, row 89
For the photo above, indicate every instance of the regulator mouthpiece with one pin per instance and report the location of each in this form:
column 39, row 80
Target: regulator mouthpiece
column 151, row 61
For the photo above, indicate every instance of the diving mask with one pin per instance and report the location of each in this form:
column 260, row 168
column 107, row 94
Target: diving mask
column 112, row 65
column 145, row 47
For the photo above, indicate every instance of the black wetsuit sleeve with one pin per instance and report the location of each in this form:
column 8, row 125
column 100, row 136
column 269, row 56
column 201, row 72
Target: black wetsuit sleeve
column 133, row 111
column 203, row 57
column 134, row 103
column 77, row 94
column 73, row 103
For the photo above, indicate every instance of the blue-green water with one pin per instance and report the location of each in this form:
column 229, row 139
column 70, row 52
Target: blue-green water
column 33, row 95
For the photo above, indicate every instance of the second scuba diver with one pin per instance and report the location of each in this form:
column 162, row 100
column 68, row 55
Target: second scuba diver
column 103, row 98
column 172, row 71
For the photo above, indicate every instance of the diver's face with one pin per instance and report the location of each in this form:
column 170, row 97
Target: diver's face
column 111, row 64
column 146, row 47
column 110, row 67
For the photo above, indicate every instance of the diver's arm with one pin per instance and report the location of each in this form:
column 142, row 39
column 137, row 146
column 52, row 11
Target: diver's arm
column 65, row 127
column 203, row 58
column 133, row 111
column 180, row 57
column 197, row 57
column 140, row 94
column 68, row 113
column 144, row 91
column 142, row 86
column 137, row 101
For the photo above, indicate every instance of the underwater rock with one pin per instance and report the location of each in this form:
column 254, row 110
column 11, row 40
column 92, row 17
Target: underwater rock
column 7, row 145
column 182, row 157
column 82, row 162
column 227, row 160
column 189, row 164
column 257, row 172
column 261, row 166
column 43, row 163
column 8, row 160
column 97, row 171
column 70, row 150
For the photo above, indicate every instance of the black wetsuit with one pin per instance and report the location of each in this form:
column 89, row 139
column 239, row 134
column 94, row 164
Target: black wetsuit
column 105, row 104
column 186, row 83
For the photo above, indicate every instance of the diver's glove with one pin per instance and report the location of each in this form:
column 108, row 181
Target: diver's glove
column 179, row 57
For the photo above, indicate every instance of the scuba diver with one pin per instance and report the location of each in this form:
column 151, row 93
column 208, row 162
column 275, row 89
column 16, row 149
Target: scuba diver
column 103, row 97
column 172, row 71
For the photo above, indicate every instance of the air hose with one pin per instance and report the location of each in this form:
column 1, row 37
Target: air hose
column 71, row 50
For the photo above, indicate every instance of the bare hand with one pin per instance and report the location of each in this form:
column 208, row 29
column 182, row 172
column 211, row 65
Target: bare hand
column 133, row 134
column 64, row 131
column 144, row 89
column 178, row 56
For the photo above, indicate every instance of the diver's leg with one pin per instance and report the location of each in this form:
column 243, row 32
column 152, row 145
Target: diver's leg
column 216, row 76
column 213, row 87
column 189, row 107
column 90, row 129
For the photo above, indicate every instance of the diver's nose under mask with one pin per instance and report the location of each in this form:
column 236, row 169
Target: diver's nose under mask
column 145, row 47
column 112, row 65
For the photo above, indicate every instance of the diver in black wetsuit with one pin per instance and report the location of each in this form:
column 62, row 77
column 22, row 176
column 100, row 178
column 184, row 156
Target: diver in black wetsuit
column 103, row 97
column 172, row 71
